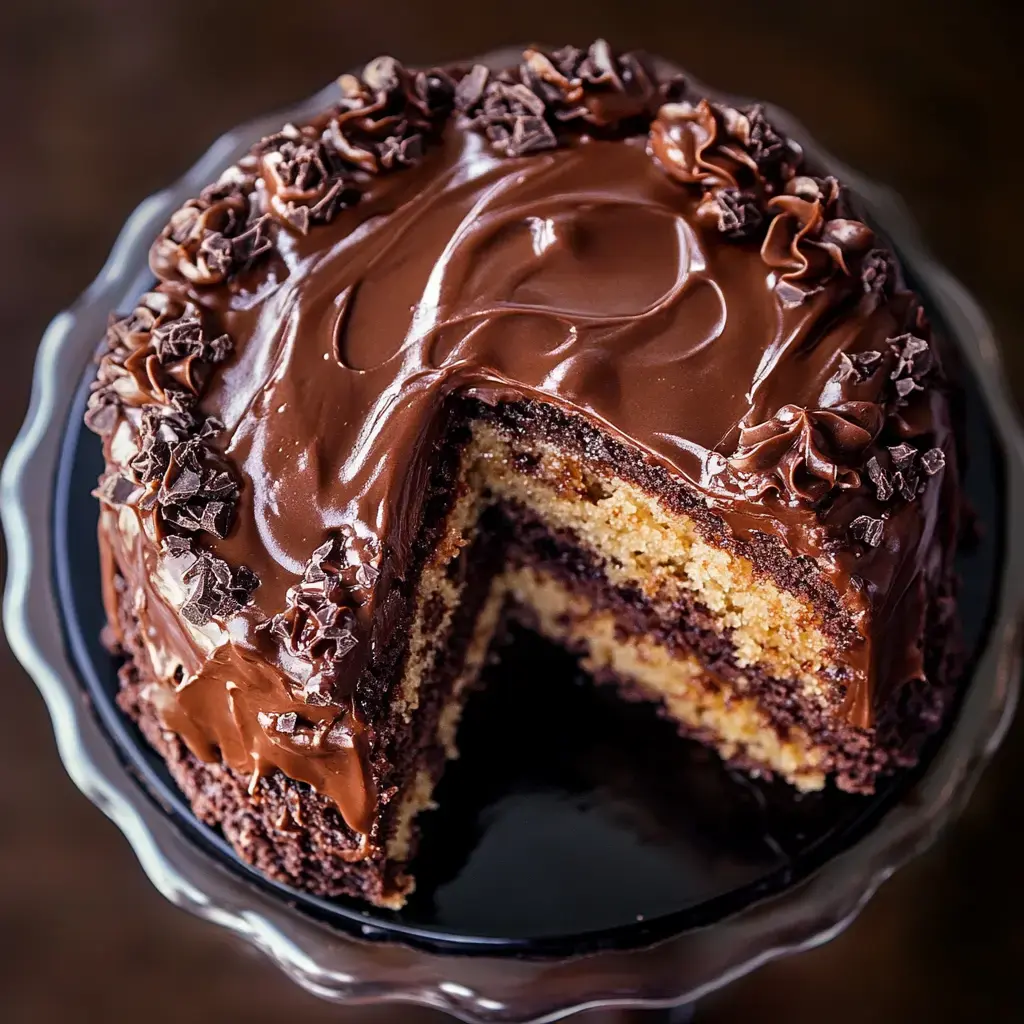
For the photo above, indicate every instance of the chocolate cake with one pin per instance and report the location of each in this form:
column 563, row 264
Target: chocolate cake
column 568, row 342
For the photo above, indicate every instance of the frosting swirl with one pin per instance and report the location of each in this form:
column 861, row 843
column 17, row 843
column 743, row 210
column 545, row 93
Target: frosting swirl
column 807, row 239
column 804, row 454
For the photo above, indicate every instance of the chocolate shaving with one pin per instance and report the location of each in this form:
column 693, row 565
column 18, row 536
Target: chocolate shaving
column 913, row 362
column 184, row 339
column 913, row 356
column 867, row 362
column 739, row 214
column 880, row 478
column 318, row 625
column 154, row 355
column 307, row 180
column 195, row 493
column 339, row 736
column 766, row 146
column 903, row 456
column 933, row 460
column 878, row 274
column 115, row 489
column 903, row 478
column 867, row 529
column 906, row 386
column 103, row 412
column 906, row 483
column 470, row 90
column 217, row 591
column 177, row 546
column 152, row 461
column 524, row 109
column 213, row 237
column 512, row 118
column 318, row 691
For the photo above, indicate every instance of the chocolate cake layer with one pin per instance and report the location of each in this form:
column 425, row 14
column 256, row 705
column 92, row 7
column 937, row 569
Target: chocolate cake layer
column 594, row 260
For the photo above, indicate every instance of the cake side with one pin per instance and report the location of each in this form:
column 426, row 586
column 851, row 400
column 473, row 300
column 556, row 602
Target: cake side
column 427, row 303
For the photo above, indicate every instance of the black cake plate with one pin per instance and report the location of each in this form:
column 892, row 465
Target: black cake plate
column 581, row 854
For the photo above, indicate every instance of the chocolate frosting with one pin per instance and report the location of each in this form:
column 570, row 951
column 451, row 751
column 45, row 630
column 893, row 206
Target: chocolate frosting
column 572, row 230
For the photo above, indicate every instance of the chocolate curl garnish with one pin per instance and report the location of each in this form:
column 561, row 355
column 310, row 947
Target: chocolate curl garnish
column 806, row 238
column 524, row 109
column 214, row 236
column 803, row 454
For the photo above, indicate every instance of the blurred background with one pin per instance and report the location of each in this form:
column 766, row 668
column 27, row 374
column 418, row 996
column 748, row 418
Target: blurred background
column 103, row 102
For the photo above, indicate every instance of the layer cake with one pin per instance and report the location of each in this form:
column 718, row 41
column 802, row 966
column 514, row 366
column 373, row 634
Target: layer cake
column 568, row 342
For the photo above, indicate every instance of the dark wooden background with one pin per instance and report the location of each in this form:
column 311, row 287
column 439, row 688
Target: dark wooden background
column 103, row 102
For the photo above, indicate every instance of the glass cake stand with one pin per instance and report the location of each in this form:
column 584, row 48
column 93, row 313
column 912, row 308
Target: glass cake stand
column 619, row 867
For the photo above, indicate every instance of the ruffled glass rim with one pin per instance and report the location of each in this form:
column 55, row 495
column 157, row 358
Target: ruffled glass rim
column 482, row 988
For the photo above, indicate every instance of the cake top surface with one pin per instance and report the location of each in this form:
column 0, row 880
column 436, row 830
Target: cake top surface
column 577, row 229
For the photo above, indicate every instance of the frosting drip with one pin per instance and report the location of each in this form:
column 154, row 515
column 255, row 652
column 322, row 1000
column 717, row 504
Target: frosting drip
column 683, row 289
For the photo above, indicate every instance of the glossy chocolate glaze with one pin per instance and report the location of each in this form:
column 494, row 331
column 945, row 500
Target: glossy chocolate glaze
column 609, row 275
